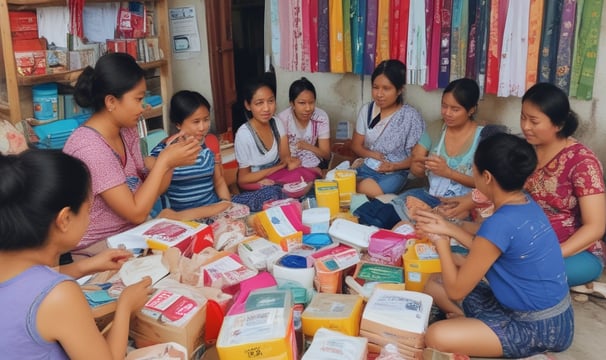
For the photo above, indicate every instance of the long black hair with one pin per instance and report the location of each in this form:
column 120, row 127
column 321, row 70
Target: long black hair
column 35, row 185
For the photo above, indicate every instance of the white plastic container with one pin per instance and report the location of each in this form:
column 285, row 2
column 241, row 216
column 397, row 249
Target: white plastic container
column 351, row 233
column 318, row 219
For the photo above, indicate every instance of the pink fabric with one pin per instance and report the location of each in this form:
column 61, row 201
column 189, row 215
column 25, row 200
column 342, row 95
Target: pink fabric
column 284, row 176
column 573, row 173
column 306, row 26
column 107, row 171
column 433, row 45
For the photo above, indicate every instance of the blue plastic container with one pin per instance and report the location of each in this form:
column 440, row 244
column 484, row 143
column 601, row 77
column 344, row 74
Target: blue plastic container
column 45, row 97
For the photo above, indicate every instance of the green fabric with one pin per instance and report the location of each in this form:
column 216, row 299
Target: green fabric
column 347, row 35
column 588, row 49
column 575, row 71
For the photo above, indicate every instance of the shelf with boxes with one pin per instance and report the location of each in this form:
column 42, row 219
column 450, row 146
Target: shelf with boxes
column 22, row 69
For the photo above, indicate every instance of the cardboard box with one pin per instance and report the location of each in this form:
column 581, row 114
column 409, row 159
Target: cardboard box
column 147, row 331
column 338, row 312
column 24, row 25
column 417, row 271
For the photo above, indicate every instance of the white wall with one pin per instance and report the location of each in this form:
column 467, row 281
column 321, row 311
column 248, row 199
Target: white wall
column 193, row 72
column 341, row 95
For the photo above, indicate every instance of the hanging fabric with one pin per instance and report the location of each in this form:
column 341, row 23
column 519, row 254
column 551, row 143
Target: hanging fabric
column 416, row 49
column 564, row 57
column 592, row 16
column 433, row 26
column 383, row 16
column 323, row 36
column 335, row 38
column 358, row 34
column 372, row 8
column 575, row 69
column 76, row 26
column 534, row 41
column 549, row 40
column 399, row 29
column 482, row 44
column 276, row 49
column 306, row 35
column 445, row 35
column 512, row 76
column 312, row 21
column 458, row 39
column 474, row 18
column 347, row 54
column 498, row 14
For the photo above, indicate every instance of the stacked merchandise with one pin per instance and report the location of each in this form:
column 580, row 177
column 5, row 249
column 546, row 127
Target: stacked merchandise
column 399, row 317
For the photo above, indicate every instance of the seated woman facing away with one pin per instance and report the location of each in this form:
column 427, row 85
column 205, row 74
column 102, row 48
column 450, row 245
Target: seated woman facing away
column 523, row 307
column 44, row 313
column 447, row 160
column 262, row 151
column 386, row 131
column 307, row 127
column 123, row 190
column 196, row 191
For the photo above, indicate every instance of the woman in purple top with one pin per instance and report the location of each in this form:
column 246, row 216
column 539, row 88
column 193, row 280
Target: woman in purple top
column 44, row 313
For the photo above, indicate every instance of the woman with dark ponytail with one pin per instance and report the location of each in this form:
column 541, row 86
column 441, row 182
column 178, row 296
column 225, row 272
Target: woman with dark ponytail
column 568, row 183
column 123, row 189
column 45, row 204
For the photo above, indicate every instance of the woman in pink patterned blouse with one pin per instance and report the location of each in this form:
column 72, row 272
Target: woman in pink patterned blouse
column 568, row 182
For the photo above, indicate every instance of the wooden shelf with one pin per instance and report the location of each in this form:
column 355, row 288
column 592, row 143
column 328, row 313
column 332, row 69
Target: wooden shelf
column 72, row 76
column 38, row 3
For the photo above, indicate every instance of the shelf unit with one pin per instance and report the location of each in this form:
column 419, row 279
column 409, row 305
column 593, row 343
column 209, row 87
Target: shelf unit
column 15, row 89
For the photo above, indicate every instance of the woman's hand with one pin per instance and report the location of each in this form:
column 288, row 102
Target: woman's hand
column 437, row 165
column 430, row 222
column 133, row 297
column 266, row 182
column 180, row 153
column 293, row 163
column 386, row 167
column 455, row 207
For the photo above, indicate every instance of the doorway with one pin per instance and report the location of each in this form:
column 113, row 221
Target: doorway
column 236, row 40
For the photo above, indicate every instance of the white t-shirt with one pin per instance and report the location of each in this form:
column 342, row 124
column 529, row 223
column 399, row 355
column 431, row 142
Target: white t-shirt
column 247, row 152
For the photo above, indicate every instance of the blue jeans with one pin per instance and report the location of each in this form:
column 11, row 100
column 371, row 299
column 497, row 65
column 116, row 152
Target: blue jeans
column 421, row 194
column 390, row 183
column 582, row 268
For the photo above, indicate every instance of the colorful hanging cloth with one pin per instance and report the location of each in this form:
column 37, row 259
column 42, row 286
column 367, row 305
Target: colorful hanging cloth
column 512, row 76
column 474, row 18
column 445, row 37
column 416, row 49
column 335, row 31
column 312, row 21
column 434, row 24
column 323, row 36
column 534, row 41
column 564, row 57
column 575, row 69
column 399, row 29
column 458, row 39
column 482, row 44
column 383, row 16
column 274, row 12
column 590, row 36
column 549, row 40
column 372, row 8
column 347, row 55
column 358, row 34
column 498, row 14
column 306, row 34
column 76, row 27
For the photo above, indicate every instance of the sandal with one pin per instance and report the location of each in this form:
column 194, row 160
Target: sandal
column 597, row 289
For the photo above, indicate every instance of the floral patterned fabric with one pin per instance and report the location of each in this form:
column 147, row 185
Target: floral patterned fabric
column 573, row 173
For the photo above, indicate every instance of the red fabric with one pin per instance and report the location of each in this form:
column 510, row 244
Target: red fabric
column 399, row 29
column 75, row 13
column 433, row 44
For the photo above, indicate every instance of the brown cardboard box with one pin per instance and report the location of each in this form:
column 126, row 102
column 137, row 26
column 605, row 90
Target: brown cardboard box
column 147, row 331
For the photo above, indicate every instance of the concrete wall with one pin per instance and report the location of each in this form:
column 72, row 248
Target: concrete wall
column 341, row 95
